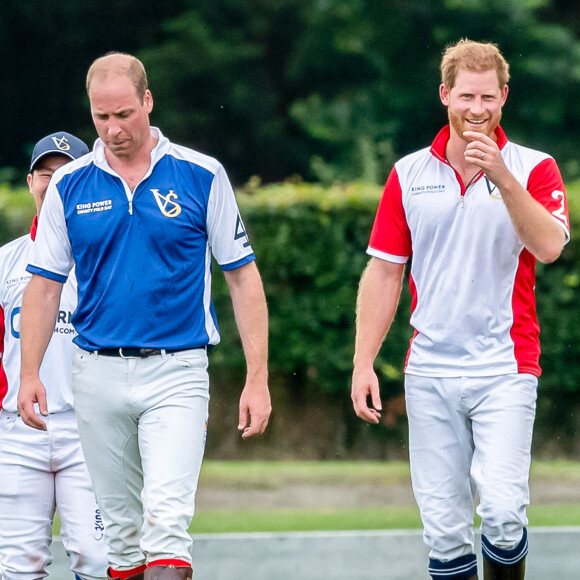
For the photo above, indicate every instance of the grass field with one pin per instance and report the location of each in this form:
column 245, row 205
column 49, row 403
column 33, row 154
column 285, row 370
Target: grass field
column 386, row 518
column 231, row 477
column 245, row 484
column 264, row 473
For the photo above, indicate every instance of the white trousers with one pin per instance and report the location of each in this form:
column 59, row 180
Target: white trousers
column 143, row 425
column 468, row 435
column 41, row 471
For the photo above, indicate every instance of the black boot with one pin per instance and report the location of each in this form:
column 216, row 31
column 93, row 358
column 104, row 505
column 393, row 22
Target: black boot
column 495, row 571
column 168, row 573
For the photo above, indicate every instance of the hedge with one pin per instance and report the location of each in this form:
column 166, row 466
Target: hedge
column 310, row 244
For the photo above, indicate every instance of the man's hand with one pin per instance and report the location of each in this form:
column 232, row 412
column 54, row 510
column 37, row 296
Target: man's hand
column 32, row 391
column 255, row 409
column 483, row 152
column 364, row 384
column 251, row 315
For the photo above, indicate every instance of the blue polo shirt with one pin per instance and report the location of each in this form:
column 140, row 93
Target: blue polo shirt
column 143, row 258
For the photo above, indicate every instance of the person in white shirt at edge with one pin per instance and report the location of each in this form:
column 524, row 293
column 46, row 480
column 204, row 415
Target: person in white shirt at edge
column 140, row 217
column 43, row 470
column 475, row 211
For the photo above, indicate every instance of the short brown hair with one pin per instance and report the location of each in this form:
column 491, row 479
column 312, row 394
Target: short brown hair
column 120, row 63
column 475, row 57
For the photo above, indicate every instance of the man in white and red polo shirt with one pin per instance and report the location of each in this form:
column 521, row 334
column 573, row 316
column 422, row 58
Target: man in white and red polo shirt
column 475, row 211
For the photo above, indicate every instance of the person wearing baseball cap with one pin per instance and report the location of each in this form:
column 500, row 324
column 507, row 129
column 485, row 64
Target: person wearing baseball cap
column 62, row 144
column 43, row 470
column 50, row 153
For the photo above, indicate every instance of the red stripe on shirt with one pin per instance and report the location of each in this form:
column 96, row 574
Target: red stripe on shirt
column 3, row 380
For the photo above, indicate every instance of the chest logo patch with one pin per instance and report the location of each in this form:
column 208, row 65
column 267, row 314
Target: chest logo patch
column 168, row 207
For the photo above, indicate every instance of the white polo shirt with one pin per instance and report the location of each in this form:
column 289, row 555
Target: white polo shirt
column 55, row 371
column 472, row 281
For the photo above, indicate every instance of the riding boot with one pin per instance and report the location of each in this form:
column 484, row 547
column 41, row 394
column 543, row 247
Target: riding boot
column 168, row 573
column 494, row 571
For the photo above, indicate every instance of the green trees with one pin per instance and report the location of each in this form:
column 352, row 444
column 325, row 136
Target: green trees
column 331, row 90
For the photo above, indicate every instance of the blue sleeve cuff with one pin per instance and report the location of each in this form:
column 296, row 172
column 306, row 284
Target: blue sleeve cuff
column 238, row 263
column 46, row 274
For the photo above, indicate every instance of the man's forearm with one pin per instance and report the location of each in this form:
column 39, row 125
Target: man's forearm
column 536, row 228
column 37, row 320
column 377, row 301
column 251, row 314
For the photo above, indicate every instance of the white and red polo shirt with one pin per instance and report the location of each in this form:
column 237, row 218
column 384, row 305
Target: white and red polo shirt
column 471, row 279
column 55, row 371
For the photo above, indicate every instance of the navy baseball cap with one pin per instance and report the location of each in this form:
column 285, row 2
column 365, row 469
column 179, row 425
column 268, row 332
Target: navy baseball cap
column 61, row 143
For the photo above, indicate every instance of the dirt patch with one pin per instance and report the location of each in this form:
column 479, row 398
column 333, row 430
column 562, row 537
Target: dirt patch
column 551, row 492
column 304, row 497
column 315, row 496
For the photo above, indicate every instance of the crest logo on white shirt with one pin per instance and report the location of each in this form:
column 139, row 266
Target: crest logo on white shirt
column 168, row 207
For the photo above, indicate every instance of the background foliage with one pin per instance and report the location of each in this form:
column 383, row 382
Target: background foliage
column 310, row 242
column 329, row 92
column 325, row 89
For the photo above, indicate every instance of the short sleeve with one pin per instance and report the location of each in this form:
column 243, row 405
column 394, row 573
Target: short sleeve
column 546, row 186
column 51, row 254
column 390, row 237
column 227, row 234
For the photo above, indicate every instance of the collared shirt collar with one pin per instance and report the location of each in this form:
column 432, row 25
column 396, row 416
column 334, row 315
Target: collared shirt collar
column 157, row 153
column 440, row 143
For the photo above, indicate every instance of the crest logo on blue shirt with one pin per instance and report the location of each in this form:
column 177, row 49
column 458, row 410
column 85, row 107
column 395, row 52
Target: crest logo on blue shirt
column 168, row 207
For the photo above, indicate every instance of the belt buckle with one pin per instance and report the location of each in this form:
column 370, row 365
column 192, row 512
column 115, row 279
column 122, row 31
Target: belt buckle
column 147, row 352
column 125, row 357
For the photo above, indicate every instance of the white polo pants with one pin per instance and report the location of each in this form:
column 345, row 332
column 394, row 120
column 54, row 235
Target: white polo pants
column 143, row 425
column 41, row 471
column 470, row 434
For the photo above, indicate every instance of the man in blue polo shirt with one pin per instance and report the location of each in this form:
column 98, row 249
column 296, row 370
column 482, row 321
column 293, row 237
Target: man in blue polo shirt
column 140, row 217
